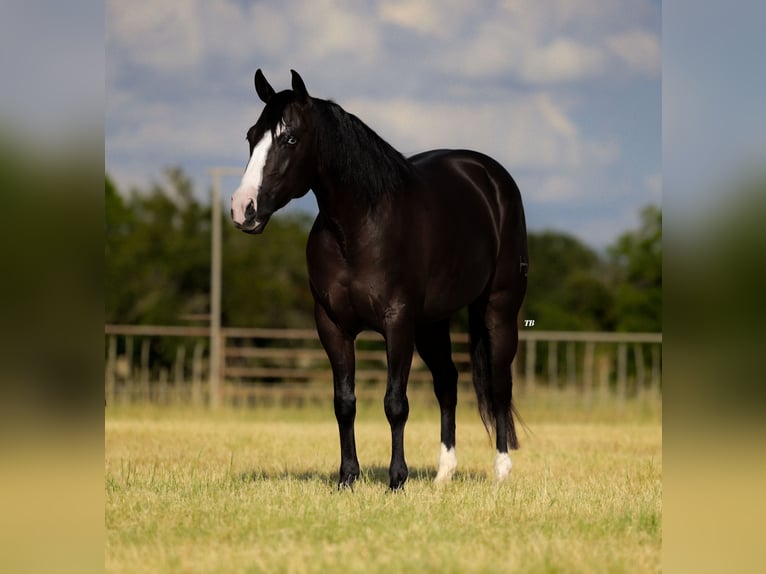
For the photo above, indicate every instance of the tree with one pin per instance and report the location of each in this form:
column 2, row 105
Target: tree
column 567, row 287
column 636, row 258
column 265, row 280
column 158, row 261
column 157, row 253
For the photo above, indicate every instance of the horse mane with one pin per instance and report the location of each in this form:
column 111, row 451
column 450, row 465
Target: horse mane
column 351, row 152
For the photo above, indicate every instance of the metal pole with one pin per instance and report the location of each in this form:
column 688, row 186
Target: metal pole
column 215, row 292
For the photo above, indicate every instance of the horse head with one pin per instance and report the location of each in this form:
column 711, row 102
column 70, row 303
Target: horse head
column 282, row 152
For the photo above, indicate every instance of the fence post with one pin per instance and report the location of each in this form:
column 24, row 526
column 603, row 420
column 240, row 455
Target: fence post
column 604, row 368
column 196, row 390
column 178, row 374
column 129, row 358
column 215, row 292
column 656, row 368
column 531, row 358
column 571, row 363
column 111, row 365
column 638, row 354
column 553, row 365
column 588, row 382
column 144, row 376
column 622, row 371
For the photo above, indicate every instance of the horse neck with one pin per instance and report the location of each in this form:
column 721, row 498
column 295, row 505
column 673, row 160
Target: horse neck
column 346, row 214
column 350, row 199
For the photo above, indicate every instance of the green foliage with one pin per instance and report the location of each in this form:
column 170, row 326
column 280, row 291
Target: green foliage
column 573, row 288
column 265, row 280
column 157, row 253
column 158, row 268
column 568, row 288
column 637, row 261
column 158, row 262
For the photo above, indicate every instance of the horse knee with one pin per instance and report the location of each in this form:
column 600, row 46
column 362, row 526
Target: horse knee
column 397, row 407
column 345, row 408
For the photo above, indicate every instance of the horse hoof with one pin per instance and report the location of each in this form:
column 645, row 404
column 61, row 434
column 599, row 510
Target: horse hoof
column 397, row 480
column 346, row 481
column 502, row 466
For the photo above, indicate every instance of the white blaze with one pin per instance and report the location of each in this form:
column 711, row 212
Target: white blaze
column 253, row 178
column 447, row 464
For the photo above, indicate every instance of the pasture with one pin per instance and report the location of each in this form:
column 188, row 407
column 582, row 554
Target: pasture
column 253, row 490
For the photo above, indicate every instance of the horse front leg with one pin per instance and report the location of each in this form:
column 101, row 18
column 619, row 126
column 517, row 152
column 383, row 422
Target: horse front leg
column 400, row 343
column 340, row 350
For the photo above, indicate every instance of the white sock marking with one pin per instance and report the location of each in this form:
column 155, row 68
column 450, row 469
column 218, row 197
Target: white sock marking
column 502, row 466
column 447, row 464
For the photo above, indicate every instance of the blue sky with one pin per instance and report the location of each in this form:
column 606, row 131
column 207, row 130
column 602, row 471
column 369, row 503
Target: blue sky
column 565, row 93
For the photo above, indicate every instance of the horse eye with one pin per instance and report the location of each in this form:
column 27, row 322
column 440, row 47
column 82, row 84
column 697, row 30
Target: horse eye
column 291, row 140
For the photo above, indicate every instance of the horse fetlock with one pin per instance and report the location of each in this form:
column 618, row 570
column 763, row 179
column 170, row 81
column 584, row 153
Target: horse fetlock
column 502, row 466
column 398, row 475
column 447, row 464
column 348, row 475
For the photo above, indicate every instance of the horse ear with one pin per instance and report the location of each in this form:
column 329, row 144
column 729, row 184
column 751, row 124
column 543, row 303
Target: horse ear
column 299, row 87
column 262, row 87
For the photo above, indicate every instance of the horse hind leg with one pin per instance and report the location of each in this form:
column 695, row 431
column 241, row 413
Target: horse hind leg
column 435, row 348
column 504, row 341
column 494, row 340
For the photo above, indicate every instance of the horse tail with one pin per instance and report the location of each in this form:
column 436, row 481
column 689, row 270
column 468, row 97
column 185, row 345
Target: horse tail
column 481, row 367
column 482, row 382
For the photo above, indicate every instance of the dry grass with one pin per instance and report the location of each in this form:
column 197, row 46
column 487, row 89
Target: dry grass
column 254, row 491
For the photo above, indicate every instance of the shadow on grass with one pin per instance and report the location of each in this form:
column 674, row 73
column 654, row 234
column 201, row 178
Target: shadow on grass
column 369, row 475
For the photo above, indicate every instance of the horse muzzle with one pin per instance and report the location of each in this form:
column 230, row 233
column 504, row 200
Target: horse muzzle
column 250, row 221
column 253, row 226
column 257, row 227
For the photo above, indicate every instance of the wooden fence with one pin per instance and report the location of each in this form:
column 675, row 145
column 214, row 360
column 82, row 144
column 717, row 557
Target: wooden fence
column 171, row 364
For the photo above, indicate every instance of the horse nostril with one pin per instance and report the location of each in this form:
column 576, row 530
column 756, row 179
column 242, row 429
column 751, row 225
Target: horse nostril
column 250, row 210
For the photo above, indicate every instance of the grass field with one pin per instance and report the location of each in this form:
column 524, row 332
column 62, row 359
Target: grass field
column 254, row 491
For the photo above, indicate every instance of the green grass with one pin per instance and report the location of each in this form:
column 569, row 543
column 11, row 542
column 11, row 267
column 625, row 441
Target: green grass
column 254, row 491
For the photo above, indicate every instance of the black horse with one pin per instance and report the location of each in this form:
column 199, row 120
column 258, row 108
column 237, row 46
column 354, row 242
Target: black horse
column 398, row 247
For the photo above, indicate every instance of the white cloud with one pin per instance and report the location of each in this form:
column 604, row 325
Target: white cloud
column 556, row 42
column 562, row 60
column 428, row 17
column 524, row 132
column 555, row 116
column 639, row 50
column 164, row 36
column 554, row 189
column 328, row 28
